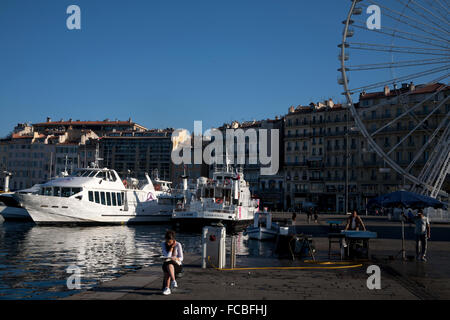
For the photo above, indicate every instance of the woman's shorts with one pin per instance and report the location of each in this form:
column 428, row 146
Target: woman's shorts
column 178, row 268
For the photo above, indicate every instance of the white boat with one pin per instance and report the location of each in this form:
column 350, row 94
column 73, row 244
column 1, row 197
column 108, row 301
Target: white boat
column 263, row 228
column 11, row 210
column 96, row 196
column 225, row 198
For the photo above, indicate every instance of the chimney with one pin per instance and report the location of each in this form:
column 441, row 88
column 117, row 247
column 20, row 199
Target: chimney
column 330, row 103
column 404, row 86
column 129, row 120
column 49, row 119
column 291, row 109
column 412, row 86
column 386, row 90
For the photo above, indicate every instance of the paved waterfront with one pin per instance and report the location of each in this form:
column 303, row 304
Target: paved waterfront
column 399, row 280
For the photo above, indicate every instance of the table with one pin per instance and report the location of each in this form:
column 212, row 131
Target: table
column 358, row 236
column 334, row 224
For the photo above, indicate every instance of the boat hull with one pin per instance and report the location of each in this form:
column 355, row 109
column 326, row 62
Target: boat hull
column 15, row 214
column 194, row 221
column 261, row 233
column 55, row 210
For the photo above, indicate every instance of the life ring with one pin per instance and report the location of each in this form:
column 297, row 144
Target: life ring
column 219, row 200
column 157, row 187
column 125, row 183
column 227, row 182
column 179, row 205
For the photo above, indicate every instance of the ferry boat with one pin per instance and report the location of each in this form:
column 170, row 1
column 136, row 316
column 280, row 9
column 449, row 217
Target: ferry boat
column 224, row 199
column 99, row 196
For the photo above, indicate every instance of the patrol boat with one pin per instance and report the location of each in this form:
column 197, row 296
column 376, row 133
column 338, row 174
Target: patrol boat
column 224, row 199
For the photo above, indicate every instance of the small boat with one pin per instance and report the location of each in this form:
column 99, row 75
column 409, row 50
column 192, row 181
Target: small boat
column 263, row 228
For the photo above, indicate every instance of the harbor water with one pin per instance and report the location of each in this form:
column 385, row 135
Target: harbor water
column 34, row 259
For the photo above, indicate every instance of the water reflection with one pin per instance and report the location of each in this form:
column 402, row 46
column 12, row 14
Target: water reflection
column 34, row 259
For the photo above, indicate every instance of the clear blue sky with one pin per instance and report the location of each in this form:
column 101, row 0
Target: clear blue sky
column 166, row 63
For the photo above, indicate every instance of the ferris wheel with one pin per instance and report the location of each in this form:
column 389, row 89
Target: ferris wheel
column 401, row 48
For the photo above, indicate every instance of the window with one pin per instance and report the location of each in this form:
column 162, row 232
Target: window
column 47, row 191
column 57, row 191
column 113, row 198
column 108, row 198
column 91, row 196
column 97, row 197
column 65, row 192
column 102, row 197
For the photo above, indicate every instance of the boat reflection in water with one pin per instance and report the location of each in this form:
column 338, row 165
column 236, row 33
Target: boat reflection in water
column 33, row 259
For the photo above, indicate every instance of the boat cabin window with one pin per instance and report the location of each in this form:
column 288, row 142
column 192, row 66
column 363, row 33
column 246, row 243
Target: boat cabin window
column 57, row 191
column 65, row 192
column 74, row 191
column 108, row 198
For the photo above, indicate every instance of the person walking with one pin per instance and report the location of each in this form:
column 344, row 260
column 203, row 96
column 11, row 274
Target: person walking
column 316, row 215
column 422, row 232
column 309, row 214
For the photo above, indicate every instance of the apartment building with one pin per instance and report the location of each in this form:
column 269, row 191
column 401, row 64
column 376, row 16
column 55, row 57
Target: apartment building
column 268, row 188
column 138, row 151
column 323, row 147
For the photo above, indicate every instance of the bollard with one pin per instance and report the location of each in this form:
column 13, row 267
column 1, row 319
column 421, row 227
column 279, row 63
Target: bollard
column 233, row 252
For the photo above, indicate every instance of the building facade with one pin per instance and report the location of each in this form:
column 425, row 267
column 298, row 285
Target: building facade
column 324, row 150
column 140, row 152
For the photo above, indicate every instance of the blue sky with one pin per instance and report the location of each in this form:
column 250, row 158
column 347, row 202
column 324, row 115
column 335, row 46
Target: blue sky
column 166, row 63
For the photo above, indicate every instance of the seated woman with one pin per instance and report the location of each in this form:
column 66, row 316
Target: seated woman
column 173, row 254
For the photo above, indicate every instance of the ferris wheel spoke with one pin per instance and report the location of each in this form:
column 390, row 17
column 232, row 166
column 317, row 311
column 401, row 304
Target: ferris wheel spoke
column 407, row 36
column 442, row 43
column 437, row 10
column 413, row 22
column 401, row 64
column 400, row 79
column 430, row 139
column 423, row 9
column 418, row 125
column 444, row 7
column 403, row 114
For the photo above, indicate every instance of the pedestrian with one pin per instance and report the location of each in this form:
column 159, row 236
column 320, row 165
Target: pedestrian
column 294, row 216
column 422, row 232
column 309, row 214
column 316, row 215
column 354, row 222
column 173, row 257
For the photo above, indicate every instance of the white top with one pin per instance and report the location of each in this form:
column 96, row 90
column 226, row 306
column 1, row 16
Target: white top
column 177, row 253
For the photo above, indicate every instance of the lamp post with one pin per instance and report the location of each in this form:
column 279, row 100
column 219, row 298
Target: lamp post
column 346, row 162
